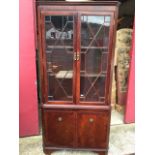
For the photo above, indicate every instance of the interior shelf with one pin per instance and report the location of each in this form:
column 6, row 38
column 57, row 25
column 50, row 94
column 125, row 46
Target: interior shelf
column 69, row 74
column 71, row 47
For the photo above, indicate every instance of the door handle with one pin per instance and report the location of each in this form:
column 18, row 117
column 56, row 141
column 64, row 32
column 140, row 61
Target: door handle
column 76, row 56
column 59, row 119
column 91, row 120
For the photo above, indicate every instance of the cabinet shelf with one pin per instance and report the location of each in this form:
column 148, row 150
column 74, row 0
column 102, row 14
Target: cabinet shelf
column 59, row 47
column 69, row 74
column 94, row 47
column 71, row 47
column 92, row 75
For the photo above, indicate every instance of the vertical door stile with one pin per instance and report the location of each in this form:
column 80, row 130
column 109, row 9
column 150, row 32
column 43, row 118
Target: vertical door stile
column 77, row 62
column 44, row 59
column 78, row 54
column 40, row 52
column 110, row 62
column 74, row 62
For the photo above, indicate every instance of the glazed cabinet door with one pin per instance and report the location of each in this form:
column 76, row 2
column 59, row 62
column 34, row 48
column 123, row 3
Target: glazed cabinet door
column 59, row 128
column 94, row 52
column 57, row 33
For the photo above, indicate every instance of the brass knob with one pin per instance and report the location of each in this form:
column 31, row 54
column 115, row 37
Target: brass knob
column 74, row 57
column 78, row 56
column 59, row 119
column 91, row 120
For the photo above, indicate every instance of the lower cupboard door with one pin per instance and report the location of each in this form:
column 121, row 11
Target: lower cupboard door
column 93, row 129
column 59, row 128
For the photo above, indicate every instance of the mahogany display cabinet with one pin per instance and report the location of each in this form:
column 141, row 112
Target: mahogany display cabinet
column 76, row 45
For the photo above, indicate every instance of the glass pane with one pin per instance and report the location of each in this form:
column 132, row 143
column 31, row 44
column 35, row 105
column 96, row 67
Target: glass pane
column 59, row 57
column 94, row 56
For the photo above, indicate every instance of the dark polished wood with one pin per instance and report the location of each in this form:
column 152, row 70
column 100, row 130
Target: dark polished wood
column 75, row 80
column 76, row 107
column 90, row 3
column 59, row 127
column 94, row 124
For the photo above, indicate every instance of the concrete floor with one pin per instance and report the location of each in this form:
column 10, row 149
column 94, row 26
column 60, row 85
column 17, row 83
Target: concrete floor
column 121, row 140
column 117, row 117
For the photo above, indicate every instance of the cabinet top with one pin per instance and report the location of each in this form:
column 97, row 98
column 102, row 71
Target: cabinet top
column 104, row 2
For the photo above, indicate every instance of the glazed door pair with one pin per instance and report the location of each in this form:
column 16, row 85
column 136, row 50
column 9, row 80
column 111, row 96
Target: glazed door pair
column 75, row 56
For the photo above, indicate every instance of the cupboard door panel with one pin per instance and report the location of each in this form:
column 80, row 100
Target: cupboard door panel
column 92, row 129
column 59, row 128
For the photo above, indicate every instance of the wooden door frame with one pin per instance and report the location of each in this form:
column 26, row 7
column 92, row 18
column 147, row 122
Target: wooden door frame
column 110, row 56
column 41, row 29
